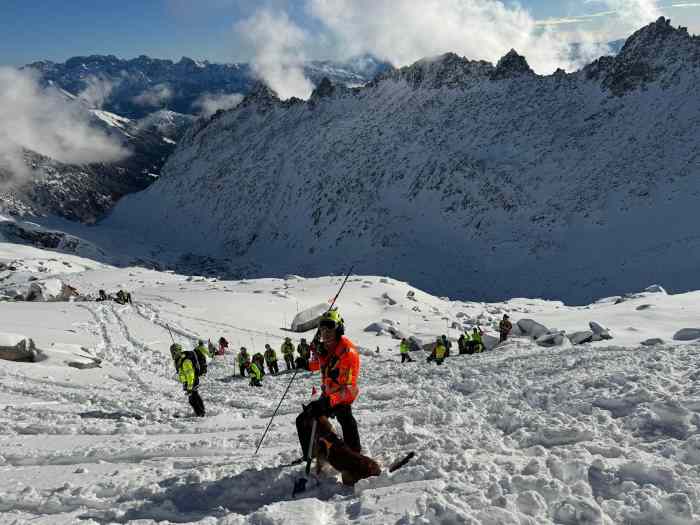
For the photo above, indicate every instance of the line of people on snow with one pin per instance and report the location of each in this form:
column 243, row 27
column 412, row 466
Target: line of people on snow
column 467, row 343
column 254, row 365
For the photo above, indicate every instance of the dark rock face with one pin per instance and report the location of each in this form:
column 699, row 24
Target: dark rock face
column 512, row 65
column 655, row 50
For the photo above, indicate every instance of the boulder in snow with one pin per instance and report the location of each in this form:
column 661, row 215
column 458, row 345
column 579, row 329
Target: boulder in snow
column 15, row 347
column 653, row 341
column 551, row 339
column 411, row 295
column 489, row 341
column 578, row 338
column 50, row 290
column 644, row 307
column 687, row 334
column 532, row 328
column 415, row 344
column 309, row 318
column 378, row 328
column 598, row 330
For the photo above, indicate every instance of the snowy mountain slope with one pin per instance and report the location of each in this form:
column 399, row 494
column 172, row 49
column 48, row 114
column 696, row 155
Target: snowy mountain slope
column 86, row 192
column 467, row 179
column 600, row 433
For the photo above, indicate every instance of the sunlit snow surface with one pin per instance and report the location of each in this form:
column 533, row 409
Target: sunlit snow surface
column 605, row 432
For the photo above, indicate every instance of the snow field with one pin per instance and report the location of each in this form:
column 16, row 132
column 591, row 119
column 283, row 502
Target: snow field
column 604, row 433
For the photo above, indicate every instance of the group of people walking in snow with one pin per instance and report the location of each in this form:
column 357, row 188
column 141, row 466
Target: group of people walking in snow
column 336, row 358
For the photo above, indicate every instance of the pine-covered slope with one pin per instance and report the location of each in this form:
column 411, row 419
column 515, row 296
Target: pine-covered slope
column 462, row 177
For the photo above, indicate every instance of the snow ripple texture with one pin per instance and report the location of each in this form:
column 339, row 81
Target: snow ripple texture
column 591, row 434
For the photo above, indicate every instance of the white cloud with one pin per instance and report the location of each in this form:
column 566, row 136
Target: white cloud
column 634, row 13
column 279, row 48
column 403, row 31
column 42, row 120
column 154, row 96
column 210, row 103
column 97, row 91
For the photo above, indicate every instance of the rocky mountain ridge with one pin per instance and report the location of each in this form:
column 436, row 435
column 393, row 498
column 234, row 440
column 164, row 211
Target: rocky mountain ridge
column 136, row 87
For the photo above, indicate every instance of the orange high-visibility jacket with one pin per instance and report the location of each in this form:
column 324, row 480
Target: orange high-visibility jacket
column 341, row 389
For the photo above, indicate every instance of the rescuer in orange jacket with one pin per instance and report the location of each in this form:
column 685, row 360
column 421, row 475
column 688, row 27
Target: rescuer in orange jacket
column 339, row 362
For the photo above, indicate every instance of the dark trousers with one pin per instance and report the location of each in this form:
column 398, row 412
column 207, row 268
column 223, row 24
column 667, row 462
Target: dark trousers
column 254, row 381
column 289, row 361
column 273, row 368
column 406, row 357
column 242, row 370
column 343, row 413
column 197, row 403
column 504, row 336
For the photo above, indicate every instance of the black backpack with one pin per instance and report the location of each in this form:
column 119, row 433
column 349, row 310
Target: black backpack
column 202, row 361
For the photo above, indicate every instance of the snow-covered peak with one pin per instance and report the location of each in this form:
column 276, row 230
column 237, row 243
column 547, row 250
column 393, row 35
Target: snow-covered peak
column 512, row 65
column 447, row 70
column 657, row 51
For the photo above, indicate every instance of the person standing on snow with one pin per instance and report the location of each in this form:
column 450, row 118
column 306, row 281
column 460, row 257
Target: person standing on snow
column 304, row 351
column 339, row 363
column 243, row 361
column 476, row 342
column 271, row 360
column 188, row 371
column 223, row 346
column 504, row 328
column 288, row 353
column 404, row 349
column 462, row 343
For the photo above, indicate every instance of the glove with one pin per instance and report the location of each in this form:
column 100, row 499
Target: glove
column 320, row 407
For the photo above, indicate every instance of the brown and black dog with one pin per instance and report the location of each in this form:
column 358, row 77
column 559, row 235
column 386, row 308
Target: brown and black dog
column 330, row 449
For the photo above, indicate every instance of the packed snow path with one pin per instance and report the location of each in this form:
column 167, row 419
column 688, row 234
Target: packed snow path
column 599, row 433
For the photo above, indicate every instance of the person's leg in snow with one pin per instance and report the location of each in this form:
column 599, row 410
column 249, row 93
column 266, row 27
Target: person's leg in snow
column 351, row 435
column 197, row 403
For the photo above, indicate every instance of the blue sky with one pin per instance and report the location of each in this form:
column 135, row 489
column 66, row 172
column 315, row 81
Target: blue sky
column 58, row 29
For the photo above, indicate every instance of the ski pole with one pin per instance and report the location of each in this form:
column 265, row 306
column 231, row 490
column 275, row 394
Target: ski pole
column 296, row 369
column 171, row 334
